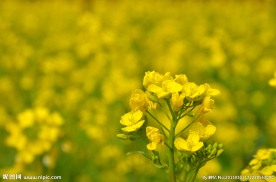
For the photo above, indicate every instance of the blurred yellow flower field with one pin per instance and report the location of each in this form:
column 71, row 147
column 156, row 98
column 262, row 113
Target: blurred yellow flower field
column 70, row 69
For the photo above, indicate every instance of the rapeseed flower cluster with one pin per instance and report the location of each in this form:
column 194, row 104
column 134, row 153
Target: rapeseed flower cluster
column 33, row 133
column 176, row 98
column 262, row 165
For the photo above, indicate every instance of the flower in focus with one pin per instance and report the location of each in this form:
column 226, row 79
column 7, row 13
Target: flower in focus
column 181, row 79
column 192, row 144
column 155, row 137
column 204, row 129
column 193, row 92
column 139, row 100
column 177, row 101
column 207, row 104
column 152, row 77
column 132, row 121
column 168, row 87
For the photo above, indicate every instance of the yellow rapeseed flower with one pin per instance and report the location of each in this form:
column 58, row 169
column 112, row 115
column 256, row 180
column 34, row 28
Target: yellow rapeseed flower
column 168, row 87
column 181, row 79
column 171, row 86
column 132, row 121
column 204, row 130
column 33, row 133
column 192, row 144
column 155, row 137
column 177, row 101
column 26, row 119
column 207, row 104
column 152, row 77
column 268, row 170
column 139, row 100
column 193, row 92
column 159, row 91
column 263, row 154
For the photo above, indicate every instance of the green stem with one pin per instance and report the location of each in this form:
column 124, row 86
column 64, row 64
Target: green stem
column 180, row 117
column 158, row 121
column 194, row 174
column 171, row 153
column 171, row 144
column 187, row 126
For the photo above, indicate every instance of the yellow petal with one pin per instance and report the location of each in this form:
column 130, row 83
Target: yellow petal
column 181, row 144
column 196, row 147
column 171, row 86
column 210, row 130
column 125, row 119
column 267, row 170
column 162, row 94
column 134, row 127
column 193, row 138
column 131, row 118
column 138, row 100
column 137, row 115
column 151, row 146
column 154, row 88
column 182, row 79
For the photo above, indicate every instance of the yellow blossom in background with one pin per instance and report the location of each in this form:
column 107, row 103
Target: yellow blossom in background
column 33, row 133
column 272, row 82
column 132, row 121
column 155, row 137
column 191, row 144
column 26, row 119
column 263, row 163
column 268, row 170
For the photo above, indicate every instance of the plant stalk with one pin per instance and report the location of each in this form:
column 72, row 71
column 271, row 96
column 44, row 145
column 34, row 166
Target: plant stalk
column 171, row 153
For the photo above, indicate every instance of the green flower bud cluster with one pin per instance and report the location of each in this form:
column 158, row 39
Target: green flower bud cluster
column 208, row 153
column 213, row 150
column 189, row 162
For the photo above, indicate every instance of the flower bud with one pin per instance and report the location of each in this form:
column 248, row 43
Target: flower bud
column 220, row 146
column 209, row 147
column 215, row 145
column 122, row 136
column 125, row 137
column 213, row 152
column 219, row 152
